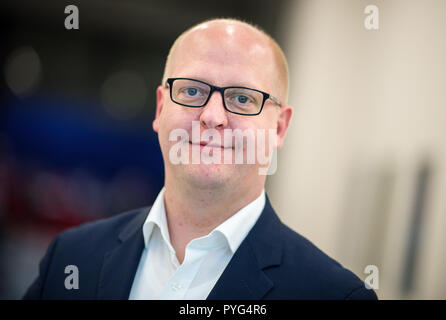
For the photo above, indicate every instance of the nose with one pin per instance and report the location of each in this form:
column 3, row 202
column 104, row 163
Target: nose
column 214, row 114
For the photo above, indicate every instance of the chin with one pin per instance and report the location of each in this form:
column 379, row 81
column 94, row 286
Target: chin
column 210, row 175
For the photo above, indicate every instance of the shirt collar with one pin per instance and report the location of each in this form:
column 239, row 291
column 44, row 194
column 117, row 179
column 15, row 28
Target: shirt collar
column 157, row 217
column 238, row 225
column 233, row 229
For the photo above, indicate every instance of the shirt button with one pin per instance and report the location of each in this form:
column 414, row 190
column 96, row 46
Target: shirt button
column 176, row 286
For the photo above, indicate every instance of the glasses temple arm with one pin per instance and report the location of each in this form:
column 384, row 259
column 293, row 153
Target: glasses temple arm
column 277, row 101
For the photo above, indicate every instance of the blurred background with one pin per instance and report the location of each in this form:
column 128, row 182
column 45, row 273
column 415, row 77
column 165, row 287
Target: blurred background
column 362, row 173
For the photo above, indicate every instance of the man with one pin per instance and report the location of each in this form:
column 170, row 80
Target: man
column 211, row 233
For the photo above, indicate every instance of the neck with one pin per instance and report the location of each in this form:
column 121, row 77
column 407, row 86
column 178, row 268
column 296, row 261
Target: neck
column 194, row 212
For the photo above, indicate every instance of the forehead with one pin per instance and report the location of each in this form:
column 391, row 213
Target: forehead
column 225, row 55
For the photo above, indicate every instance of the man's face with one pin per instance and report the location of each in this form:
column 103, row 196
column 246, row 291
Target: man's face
column 222, row 56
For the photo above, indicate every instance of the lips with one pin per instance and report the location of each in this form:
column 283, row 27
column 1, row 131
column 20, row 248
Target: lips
column 203, row 144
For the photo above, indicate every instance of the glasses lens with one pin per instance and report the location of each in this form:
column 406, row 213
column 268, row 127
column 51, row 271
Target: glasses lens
column 244, row 101
column 190, row 92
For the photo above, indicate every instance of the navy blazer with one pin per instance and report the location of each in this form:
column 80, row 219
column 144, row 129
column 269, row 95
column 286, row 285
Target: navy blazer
column 272, row 262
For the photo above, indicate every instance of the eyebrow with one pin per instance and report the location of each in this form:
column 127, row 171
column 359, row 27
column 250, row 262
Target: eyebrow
column 234, row 84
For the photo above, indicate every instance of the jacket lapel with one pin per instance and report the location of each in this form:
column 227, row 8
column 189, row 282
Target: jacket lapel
column 244, row 277
column 120, row 264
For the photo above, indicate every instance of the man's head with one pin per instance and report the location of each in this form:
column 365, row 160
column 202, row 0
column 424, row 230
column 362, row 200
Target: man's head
column 222, row 52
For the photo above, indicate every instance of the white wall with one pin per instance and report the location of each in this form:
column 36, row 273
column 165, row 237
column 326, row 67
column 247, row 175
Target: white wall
column 369, row 108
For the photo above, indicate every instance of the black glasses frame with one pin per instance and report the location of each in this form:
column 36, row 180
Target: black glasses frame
column 266, row 96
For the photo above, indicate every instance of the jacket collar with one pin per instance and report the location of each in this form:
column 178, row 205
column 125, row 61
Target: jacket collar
column 120, row 264
column 243, row 278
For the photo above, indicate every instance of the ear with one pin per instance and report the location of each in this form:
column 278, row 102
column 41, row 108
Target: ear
column 160, row 97
column 282, row 124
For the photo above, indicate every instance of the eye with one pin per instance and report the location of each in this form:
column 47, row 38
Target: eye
column 191, row 91
column 242, row 99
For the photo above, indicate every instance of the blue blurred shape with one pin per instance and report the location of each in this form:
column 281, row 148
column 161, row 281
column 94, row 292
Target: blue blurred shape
column 65, row 135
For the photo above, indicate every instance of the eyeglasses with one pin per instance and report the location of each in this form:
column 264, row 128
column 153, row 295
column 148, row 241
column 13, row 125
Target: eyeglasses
column 239, row 100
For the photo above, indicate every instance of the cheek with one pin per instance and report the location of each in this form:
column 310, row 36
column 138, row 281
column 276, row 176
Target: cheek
column 263, row 121
column 270, row 118
column 241, row 122
column 265, row 130
column 174, row 118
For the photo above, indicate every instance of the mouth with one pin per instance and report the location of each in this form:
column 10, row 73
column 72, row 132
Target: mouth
column 203, row 144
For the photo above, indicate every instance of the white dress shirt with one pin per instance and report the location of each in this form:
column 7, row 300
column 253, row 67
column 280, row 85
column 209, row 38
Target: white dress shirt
column 159, row 274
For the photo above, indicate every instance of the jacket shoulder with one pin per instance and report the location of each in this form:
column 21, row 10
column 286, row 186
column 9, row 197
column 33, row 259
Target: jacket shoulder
column 105, row 229
column 84, row 247
column 314, row 272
